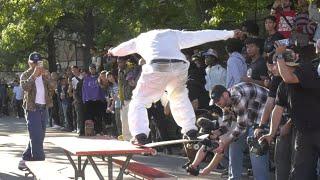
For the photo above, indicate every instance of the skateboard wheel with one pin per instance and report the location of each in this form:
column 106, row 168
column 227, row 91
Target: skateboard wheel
column 189, row 146
column 153, row 153
column 196, row 147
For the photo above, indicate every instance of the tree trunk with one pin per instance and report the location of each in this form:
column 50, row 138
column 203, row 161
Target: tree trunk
column 51, row 51
column 89, row 28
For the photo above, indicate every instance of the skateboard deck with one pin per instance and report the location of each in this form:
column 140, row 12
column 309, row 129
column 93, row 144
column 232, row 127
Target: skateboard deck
column 171, row 142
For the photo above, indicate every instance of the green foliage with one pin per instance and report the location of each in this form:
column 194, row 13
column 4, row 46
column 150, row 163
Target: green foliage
column 25, row 24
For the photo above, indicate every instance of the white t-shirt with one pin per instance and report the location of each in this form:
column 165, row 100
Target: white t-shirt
column 74, row 81
column 18, row 91
column 40, row 96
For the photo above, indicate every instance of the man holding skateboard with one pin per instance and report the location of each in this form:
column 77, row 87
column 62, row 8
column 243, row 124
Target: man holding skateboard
column 166, row 69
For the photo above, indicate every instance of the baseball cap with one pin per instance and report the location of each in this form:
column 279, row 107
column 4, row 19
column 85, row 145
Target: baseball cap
column 216, row 93
column 35, row 57
column 211, row 52
column 290, row 59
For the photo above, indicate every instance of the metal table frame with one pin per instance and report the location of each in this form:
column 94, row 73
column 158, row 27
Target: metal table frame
column 79, row 170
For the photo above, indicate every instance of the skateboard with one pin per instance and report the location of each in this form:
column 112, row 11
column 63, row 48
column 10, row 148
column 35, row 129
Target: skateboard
column 188, row 144
column 27, row 172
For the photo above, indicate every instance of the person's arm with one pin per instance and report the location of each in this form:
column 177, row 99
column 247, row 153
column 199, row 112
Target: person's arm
column 213, row 164
column 275, row 119
column 287, row 75
column 265, row 115
column 125, row 48
column 189, row 39
column 28, row 81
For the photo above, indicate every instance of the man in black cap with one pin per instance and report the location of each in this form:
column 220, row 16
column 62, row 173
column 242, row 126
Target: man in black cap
column 244, row 103
column 38, row 88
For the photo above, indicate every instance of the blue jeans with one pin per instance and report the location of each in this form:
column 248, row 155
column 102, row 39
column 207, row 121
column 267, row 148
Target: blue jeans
column 36, row 124
column 66, row 123
column 260, row 164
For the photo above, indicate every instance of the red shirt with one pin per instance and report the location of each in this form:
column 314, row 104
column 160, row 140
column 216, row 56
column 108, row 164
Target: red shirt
column 283, row 27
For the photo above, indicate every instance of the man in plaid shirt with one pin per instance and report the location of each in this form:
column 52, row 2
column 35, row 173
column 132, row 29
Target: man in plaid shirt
column 243, row 103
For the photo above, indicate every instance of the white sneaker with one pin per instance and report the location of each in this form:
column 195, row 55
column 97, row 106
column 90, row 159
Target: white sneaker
column 22, row 165
column 56, row 126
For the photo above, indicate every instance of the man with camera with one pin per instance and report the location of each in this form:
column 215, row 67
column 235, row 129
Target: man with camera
column 38, row 88
column 302, row 100
column 244, row 103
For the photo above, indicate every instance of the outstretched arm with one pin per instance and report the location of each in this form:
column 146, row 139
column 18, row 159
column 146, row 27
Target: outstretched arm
column 189, row 39
column 212, row 165
column 125, row 48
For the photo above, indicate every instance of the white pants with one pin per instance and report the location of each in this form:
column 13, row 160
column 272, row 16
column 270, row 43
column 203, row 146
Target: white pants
column 124, row 121
column 155, row 79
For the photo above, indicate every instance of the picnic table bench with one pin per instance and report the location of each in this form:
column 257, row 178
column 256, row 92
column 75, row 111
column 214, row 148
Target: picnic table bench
column 90, row 147
column 143, row 171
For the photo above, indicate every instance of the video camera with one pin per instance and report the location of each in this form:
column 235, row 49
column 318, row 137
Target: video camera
column 256, row 147
column 206, row 125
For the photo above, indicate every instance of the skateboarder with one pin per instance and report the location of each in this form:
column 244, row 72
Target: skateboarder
column 166, row 69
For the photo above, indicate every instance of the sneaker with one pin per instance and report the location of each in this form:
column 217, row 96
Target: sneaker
column 191, row 134
column 140, row 139
column 56, row 126
column 22, row 165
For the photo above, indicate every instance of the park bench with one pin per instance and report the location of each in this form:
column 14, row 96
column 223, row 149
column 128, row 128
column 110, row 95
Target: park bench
column 43, row 170
column 141, row 170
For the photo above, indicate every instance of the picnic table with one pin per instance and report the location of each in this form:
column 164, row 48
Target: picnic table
column 90, row 147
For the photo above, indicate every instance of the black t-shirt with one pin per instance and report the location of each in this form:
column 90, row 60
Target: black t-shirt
column 303, row 105
column 274, row 84
column 269, row 42
column 308, row 75
column 258, row 68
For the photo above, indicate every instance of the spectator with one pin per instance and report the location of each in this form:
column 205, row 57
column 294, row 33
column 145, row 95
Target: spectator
column 303, row 102
column 18, row 98
column 54, row 117
column 93, row 98
column 236, row 64
column 245, row 102
column 38, row 86
column 284, row 148
column 77, row 82
column 126, row 85
column 257, row 70
column 273, row 35
column 215, row 72
column 115, row 104
column 95, row 58
column 65, row 104
column 196, row 82
column 285, row 15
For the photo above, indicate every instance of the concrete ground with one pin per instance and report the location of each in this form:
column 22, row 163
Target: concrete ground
column 14, row 137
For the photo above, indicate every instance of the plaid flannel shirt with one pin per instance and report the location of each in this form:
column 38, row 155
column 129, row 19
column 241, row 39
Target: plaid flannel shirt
column 248, row 101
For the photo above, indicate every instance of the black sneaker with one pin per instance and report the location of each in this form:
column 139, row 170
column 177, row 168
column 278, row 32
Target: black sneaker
column 140, row 139
column 191, row 134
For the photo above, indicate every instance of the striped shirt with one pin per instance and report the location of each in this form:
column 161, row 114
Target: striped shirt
column 247, row 105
